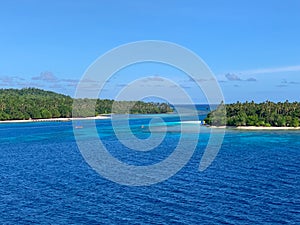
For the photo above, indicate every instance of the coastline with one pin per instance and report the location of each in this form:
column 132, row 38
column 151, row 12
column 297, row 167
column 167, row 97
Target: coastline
column 108, row 116
column 266, row 128
column 254, row 128
column 55, row 119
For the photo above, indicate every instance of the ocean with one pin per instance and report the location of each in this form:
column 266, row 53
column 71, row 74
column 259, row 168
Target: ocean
column 254, row 179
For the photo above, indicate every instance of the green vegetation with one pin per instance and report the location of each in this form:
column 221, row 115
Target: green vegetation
column 35, row 103
column 253, row 114
column 92, row 107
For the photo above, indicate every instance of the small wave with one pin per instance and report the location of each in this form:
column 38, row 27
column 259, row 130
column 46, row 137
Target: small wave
column 191, row 122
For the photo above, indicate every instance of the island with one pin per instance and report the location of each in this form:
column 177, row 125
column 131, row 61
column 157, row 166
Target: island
column 32, row 104
column 251, row 115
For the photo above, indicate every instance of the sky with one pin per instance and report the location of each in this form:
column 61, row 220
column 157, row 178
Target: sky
column 252, row 47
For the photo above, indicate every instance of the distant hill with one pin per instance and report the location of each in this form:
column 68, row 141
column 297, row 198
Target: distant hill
column 19, row 104
column 33, row 103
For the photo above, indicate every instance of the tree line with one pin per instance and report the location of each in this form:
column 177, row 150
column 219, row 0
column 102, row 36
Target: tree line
column 281, row 114
column 33, row 103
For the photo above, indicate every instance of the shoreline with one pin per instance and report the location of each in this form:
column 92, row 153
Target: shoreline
column 254, row 128
column 55, row 119
column 266, row 128
column 108, row 116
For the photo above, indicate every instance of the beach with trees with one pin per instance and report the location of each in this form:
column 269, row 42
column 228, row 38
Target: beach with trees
column 33, row 103
column 265, row 114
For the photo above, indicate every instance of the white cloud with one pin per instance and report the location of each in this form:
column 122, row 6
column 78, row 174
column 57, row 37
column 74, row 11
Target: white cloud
column 232, row 77
column 10, row 80
column 46, row 76
column 251, row 79
column 271, row 70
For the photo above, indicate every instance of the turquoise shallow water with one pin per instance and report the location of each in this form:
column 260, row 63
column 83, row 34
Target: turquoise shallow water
column 255, row 179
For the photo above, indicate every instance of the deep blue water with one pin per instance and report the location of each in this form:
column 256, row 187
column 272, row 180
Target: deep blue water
column 255, row 179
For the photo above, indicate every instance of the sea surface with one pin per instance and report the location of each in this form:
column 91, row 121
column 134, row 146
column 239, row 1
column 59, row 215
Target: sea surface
column 255, row 178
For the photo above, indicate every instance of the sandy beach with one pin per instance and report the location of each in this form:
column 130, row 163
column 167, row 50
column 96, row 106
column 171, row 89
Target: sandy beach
column 55, row 119
column 266, row 128
column 255, row 128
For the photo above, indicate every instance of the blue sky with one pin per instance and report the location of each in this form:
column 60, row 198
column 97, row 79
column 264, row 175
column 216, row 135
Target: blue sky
column 252, row 47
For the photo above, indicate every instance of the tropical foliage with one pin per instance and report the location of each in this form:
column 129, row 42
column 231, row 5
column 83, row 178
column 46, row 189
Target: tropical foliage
column 281, row 114
column 36, row 104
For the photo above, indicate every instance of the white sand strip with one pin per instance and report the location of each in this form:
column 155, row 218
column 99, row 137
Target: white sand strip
column 266, row 128
column 255, row 128
column 56, row 119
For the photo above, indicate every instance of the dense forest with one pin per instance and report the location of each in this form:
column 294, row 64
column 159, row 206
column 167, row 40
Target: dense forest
column 281, row 114
column 20, row 104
